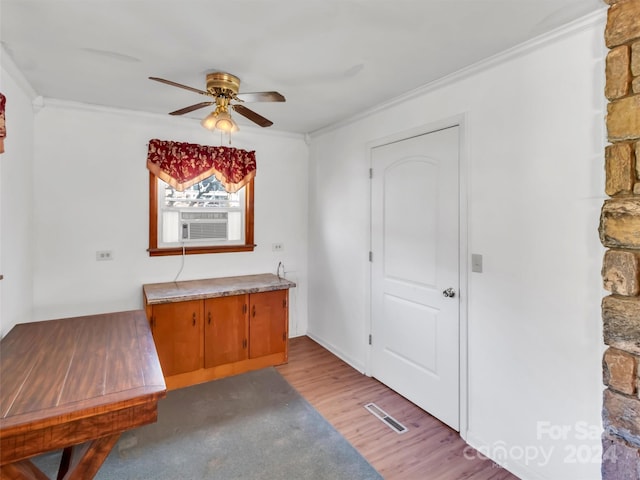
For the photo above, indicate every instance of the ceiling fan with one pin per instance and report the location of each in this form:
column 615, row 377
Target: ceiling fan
column 223, row 88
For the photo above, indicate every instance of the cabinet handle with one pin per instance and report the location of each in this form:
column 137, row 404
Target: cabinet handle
column 244, row 343
column 284, row 336
column 253, row 311
column 194, row 319
column 209, row 318
column 244, row 308
column 284, row 303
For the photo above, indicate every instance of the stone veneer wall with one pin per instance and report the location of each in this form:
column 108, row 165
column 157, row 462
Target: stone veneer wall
column 620, row 233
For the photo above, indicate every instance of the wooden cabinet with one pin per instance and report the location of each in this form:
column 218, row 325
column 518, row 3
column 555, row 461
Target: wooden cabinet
column 226, row 330
column 267, row 332
column 207, row 329
column 177, row 330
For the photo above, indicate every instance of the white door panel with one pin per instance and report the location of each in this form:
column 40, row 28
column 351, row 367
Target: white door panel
column 410, row 230
column 421, row 320
column 415, row 242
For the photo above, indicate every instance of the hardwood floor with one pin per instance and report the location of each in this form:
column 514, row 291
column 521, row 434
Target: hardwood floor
column 429, row 450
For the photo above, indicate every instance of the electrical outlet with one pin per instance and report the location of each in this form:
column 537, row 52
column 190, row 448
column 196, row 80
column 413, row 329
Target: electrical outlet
column 102, row 255
column 277, row 247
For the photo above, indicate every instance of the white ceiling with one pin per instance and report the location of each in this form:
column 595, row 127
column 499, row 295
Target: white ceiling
column 331, row 59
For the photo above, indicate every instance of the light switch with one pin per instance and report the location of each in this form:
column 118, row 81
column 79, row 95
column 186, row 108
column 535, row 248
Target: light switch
column 476, row 262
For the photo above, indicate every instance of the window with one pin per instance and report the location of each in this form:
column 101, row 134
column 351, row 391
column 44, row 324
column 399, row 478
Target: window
column 203, row 218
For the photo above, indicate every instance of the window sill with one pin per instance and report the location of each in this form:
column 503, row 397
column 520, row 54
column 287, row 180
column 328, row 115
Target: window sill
column 162, row 252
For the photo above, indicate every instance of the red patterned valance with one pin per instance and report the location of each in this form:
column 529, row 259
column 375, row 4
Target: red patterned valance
column 3, row 130
column 184, row 164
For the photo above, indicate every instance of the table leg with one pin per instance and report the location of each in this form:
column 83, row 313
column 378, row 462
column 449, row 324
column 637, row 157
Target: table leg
column 82, row 462
column 23, row 470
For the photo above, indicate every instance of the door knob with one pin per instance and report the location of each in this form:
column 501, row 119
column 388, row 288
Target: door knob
column 449, row 292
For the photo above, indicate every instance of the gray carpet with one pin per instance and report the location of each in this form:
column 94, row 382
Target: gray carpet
column 250, row 426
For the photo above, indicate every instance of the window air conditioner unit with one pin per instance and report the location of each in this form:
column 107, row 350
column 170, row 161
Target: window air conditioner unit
column 203, row 225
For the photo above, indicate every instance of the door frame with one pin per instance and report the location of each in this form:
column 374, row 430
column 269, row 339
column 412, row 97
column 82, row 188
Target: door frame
column 461, row 122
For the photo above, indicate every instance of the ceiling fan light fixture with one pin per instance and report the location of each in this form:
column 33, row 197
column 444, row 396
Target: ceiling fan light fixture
column 225, row 123
column 209, row 122
column 220, row 120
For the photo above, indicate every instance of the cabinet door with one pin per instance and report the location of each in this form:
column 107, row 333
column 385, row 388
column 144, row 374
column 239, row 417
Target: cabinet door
column 177, row 332
column 267, row 323
column 225, row 330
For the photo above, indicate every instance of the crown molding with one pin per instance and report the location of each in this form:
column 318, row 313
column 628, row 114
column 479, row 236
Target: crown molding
column 597, row 17
column 160, row 117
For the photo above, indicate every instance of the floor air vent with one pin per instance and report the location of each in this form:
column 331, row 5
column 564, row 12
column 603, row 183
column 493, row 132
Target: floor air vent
column 391, row 422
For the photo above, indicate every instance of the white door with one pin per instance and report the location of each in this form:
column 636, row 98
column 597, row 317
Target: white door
column 415, row 246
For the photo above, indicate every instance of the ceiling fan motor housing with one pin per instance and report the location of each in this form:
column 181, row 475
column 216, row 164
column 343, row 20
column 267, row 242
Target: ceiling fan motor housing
column 223, row 83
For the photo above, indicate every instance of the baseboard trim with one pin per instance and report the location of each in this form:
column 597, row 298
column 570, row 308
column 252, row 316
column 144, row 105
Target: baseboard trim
column 337, row 352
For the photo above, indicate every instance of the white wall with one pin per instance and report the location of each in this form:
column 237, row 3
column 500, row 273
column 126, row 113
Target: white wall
column 534, row 159
column 90, row 187
column 16, row 227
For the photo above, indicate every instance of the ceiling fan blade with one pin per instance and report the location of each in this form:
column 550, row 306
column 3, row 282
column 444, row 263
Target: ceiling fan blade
column 251, row 115
column 179, row 85
column 261, row 97
column 191, row 108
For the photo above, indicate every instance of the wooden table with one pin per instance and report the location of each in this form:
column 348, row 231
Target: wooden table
column 76, row 384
